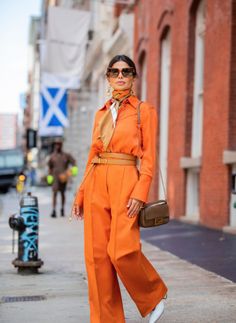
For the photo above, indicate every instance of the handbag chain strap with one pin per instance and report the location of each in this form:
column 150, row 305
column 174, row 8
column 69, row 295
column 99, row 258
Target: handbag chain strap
column 140, row 141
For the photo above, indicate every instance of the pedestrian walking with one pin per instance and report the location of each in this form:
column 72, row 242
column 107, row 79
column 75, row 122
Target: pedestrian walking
column 58, row 170
column 110, row 197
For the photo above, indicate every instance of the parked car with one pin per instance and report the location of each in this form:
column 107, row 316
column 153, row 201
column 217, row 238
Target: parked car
column 11, row 165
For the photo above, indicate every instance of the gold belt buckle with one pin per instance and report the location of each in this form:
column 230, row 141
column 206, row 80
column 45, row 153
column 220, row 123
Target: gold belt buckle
column 157, row 221
column 100, row 160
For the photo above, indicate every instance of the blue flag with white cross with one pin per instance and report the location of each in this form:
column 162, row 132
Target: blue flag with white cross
column 53, row 114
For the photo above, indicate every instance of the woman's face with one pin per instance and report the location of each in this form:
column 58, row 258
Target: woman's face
column 121, row 82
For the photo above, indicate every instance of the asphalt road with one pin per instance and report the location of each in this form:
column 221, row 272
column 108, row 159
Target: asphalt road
column 210, row 249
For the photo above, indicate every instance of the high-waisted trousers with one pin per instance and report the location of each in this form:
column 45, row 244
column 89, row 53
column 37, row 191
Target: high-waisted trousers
column 112, row 246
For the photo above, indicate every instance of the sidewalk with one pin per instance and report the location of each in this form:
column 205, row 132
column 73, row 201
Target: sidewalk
column 195, row 295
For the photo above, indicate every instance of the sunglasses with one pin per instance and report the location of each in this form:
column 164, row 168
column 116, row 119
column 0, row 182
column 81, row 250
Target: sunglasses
column 126, row 72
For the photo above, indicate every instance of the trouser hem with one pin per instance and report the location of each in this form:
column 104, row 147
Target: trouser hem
column 154, row 304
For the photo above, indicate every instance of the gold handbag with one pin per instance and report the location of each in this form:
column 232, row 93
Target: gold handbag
column 155, row 213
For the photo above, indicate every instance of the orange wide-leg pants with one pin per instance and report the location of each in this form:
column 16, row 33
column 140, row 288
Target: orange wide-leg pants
column 112, row 246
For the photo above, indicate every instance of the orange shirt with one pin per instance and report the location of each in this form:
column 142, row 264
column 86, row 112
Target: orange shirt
column 126, row 139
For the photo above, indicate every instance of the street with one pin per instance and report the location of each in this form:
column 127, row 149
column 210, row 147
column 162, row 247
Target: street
column 195, row 295
column 211, row 249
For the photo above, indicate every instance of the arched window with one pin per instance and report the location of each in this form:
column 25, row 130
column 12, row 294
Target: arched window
column 197, row 35
column 143, row 77
column 197, row 123
column 164, row 107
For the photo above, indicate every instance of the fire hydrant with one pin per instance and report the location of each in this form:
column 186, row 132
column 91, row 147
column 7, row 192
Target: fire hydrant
column 27, row 223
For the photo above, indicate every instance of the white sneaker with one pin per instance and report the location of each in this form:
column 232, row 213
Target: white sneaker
column 157, row 312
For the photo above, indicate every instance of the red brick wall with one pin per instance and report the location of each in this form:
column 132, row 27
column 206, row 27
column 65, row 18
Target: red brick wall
column 152, row 18
column 214, row 198
column 232, row 116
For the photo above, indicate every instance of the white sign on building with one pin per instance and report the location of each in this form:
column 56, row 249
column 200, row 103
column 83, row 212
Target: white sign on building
column 8, row 127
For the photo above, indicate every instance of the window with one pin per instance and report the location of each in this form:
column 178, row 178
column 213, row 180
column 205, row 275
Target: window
column 197, row 123
column 164, row 108
column 143, row 77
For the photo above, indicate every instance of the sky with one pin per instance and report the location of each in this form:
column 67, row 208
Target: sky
column 14, row 30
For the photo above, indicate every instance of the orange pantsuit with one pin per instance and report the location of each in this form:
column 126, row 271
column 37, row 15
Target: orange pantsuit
column 112, row 239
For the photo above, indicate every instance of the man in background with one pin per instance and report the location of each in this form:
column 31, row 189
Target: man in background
column 59, row 173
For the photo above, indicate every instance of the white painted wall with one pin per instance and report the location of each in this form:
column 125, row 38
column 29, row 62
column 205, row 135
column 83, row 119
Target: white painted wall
column 192, row 189
column 233, row 201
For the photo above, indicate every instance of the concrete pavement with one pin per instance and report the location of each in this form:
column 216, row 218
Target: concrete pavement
column 195, row 294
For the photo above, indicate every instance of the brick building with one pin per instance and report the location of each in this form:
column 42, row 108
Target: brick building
column 185, row 51
column 110, row 32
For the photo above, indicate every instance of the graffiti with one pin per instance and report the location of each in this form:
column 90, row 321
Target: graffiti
column 28, row 240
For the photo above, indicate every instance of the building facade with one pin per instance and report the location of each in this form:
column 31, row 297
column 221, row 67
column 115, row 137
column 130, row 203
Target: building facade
column 111, row 33
column 184, row 50
column 8, row 131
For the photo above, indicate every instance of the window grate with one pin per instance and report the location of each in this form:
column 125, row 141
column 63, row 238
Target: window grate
column 12, row 299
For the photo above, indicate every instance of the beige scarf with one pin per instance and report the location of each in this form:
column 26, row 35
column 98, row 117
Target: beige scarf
column 108, row 121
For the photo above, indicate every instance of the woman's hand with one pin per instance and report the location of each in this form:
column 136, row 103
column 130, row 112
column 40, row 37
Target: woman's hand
column 134, row 207
column 78, row 212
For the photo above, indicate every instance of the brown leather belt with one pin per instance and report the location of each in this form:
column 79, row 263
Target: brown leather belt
column 114, row 159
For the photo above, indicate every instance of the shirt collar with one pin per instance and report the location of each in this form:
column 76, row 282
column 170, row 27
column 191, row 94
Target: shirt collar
column 132, row 100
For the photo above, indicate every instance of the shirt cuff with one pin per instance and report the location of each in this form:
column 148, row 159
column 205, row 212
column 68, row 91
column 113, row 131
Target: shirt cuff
column 141, row 189
column 79, row 198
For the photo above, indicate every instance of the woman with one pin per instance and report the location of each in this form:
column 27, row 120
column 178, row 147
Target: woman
column 110, row 197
